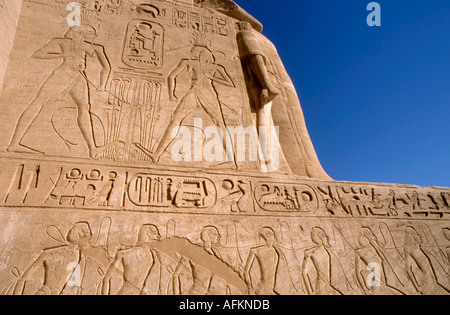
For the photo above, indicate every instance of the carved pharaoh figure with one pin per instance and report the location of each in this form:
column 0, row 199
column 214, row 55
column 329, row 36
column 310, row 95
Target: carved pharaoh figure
column 203, row 71
column 69, row 78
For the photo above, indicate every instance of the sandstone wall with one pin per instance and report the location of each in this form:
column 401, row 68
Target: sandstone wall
column 9, row 16
column 87, row 207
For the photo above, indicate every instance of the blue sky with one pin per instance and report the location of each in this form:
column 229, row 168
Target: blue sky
column 376, row 100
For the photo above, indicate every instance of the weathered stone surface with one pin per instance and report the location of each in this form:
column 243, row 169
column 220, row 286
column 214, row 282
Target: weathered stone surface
column 9, row 16
column 96, row 197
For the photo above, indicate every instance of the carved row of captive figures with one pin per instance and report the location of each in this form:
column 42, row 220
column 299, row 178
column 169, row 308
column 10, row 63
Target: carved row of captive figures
column 175, row 265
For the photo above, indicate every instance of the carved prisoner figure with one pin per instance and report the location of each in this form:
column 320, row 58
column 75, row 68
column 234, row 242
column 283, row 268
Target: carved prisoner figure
column 317, row 265
column 202, row 277
column 136, row 263
column 369, row 254
column 274, row 271
column 55, row 262
column 424, row 279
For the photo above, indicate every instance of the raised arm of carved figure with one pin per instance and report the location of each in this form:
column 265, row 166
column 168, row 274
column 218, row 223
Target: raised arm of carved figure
column 223, row 78
column 106, row 67
column 51, row 50
column 182, row 65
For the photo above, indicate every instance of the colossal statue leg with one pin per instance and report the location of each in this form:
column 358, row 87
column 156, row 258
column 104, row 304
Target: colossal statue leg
column 258, row 54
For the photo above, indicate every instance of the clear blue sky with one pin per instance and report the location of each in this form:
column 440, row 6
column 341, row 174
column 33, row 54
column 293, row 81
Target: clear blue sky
column 376, row 100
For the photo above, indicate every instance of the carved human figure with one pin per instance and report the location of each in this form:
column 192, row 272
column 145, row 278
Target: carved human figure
column 287, row 114
column 446, row 232
column 69, row 78
column 272, row 266
column 201, row 276
column 317, row 265
column 255, row 65
column 203, row 71
column 425, row 280
column 59, row 263
column 369, row 253
column 136, row 263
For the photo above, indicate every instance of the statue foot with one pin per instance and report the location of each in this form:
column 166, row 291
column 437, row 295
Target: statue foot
column 18, row 148
column 96, row 152
column 147, row 152
column 273, row 92
column 268, row 95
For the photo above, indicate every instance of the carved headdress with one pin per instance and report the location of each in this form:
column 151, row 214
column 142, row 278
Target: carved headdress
column 90, row 19
column 89, row 23
column 200, row 49
column 199, row 39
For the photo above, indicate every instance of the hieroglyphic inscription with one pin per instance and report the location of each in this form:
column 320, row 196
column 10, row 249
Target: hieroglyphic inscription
column 147, row 190
column 47, row 184
column 42, row 185
column 76, row 189
column 144, row 45
column 360, row 201
column 237, row 196
column 103, row 6
column 203, row 22
column 286, row 197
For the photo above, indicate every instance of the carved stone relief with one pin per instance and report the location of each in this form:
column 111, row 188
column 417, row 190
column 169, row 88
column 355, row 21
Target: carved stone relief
column 161, row 257
column 94, row 201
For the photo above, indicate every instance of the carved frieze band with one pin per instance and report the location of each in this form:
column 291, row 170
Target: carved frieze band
column 245, row 256
column 46, row 184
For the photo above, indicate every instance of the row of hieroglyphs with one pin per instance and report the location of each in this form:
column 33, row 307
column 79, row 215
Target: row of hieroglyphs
column 104, row 6
column 115, row 188
column 339, row 258
column 186, row 18
column 363, row 201
column 90, row 187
